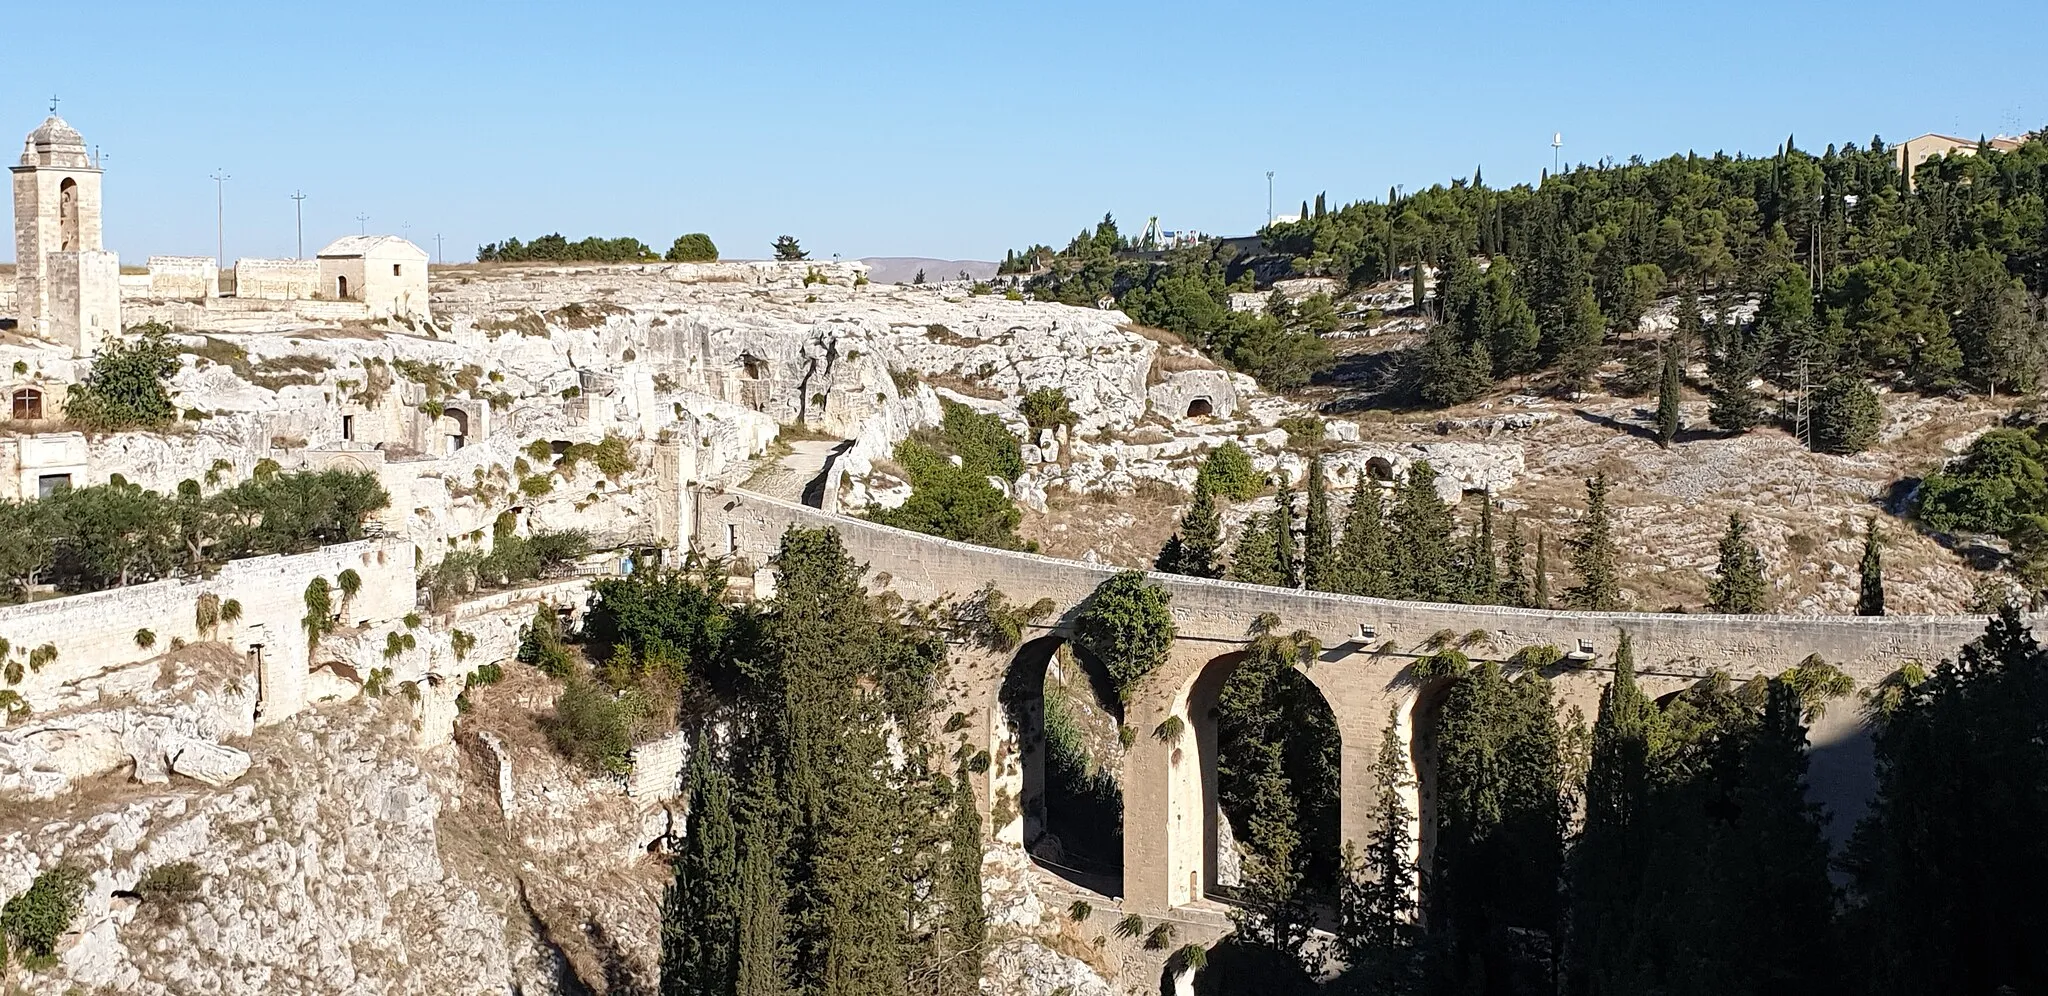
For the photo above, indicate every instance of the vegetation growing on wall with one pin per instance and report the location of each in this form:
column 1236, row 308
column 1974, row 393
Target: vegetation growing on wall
column 128, row 385
column 1127, row 626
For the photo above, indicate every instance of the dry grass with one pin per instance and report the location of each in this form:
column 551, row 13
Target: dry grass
column 962, row 385
column 1160, row 336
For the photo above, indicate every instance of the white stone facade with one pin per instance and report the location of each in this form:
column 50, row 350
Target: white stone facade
column 187, row 278
column 277, row 279
column 386, row 273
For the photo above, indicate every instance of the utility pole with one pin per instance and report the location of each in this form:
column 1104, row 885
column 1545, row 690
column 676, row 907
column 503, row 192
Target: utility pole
column 362, row 224
column 299, row 206
column 1269, row 197
column 220, row 181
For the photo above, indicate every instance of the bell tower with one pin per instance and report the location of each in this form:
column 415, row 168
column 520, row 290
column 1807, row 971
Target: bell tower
column 67, row 287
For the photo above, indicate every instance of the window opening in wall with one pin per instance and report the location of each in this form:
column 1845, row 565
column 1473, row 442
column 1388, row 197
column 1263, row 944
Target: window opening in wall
column 341, row 287
column 28, row 403
column 395, row 271
column 50, row 484
column 732, row 538
column 67, row 216
column 348, row 427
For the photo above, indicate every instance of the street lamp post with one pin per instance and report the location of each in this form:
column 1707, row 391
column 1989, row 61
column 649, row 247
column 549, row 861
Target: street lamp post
column 220, row 180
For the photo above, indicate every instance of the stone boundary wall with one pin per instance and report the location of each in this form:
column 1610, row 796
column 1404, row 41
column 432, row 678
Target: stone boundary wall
column 192, row 315
column 184, row 278
column 1679, row 645
column 276, row 279
column 97, row 631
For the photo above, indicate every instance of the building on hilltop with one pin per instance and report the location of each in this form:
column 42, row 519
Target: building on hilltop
column 384, row 272
column 1914, row 151
column 67, row 286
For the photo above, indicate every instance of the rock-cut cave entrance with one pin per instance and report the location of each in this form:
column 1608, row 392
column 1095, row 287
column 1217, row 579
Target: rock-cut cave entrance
column 1061, row 706
column 1201, row 407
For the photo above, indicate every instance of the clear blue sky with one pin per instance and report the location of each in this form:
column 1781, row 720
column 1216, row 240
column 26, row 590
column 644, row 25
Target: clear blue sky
column 942, row 129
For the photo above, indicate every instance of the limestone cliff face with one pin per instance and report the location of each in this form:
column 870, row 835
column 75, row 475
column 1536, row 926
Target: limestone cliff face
column 348, row 860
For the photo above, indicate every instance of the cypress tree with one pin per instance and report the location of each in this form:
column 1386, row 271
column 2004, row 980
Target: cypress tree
column 699, row 912
column 762, row 949
column 1482, row 568
column 1284, row 553
column 1593, row 554
column 1376, row 908
column 1776, row 871
column 1318, row 555
column 1870, row 599
column 1418, row 277
column 1423, row 552
column 1196, row 549
column 1738, row 586
column 964, row 923
column 1256, row 559
column 1608, row 864
column 859, row 898
column 1668, row 417
column 1361, row 556
column 1514, row 579
column 1539, row 581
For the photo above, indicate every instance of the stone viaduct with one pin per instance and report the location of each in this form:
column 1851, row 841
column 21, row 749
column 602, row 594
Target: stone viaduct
column 1169, row 789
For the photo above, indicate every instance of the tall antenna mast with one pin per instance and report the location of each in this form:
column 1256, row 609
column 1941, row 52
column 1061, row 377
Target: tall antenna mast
column 220, row 179
column 299, row 206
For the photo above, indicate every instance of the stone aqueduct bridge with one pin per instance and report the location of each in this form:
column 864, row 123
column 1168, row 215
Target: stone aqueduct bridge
column 1170, row 788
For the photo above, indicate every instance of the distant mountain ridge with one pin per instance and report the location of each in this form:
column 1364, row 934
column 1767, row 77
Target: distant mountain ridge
column 903, row 269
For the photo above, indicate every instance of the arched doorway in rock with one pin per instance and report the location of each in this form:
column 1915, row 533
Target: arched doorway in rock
column 454, row 427
column 1201, row 407
column 1067, row 784
column 1380, row 469
column 1255, row 728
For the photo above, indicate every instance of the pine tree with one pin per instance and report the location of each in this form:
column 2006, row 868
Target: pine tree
column 1196, row 549
column 1318, row 555
column 1378, row 932
column 699, row 925
column 1417, row 276
column 1424, row 557
column 1256, row 558
column 1870, row 599
column 1593, row 554
column 1608, row 864
column 1514, row 579
column 1738, row 586
column 1284, row 553
column 1732, row 363
column 1669, row 419
column 1539, row 580
column 1361, row 556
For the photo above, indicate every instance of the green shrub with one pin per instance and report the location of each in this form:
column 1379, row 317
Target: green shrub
column 145, row 638
column 176, row 882
column 1304, row 430
column 1048, row 408
column 1228, row 473
column 696, row 247
column 981, row 441
column 537, row 485
column 127, row 387
column 593, row 727
column 1127, row 626
column 33, row 921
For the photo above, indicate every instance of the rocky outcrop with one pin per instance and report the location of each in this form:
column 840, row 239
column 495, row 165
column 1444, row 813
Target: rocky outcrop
column 1026, row 968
